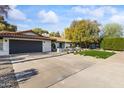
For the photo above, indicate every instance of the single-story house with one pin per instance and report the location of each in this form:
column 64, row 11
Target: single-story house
column 26, row 42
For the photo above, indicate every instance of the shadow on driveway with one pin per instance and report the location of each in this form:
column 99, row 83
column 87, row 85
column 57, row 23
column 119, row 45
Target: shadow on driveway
column 25, row 75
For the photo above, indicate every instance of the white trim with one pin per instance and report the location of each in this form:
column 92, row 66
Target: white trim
column 27, row 39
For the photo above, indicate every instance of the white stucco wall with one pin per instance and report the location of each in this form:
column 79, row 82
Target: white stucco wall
column 67, row 45
column 5, row 50
column 46, row 46
column 57, row 45
column 64, row 44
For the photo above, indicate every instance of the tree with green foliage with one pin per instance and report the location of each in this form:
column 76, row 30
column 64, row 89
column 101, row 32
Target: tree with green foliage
column 4, row 26
column 112, row 30
column 116, row 44
column 55, row 34
column 58, row 34
column 83, row 32
column 52, row 33
column 40, row 31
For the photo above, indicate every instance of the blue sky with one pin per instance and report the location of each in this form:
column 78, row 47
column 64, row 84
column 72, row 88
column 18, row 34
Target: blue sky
column 58, row 17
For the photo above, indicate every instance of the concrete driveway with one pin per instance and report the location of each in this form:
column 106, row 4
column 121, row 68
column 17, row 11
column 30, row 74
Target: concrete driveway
column 101, row 75
column 71, row 71
column 49, row 71
column 106, row 74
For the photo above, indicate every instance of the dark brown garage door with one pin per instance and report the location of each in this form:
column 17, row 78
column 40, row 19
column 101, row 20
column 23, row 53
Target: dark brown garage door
column 23, row 46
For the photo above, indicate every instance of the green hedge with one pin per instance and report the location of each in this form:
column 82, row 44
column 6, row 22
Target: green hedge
column 113, row 44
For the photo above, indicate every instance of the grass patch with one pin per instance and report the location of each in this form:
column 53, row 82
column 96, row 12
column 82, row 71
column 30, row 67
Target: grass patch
column 96, row 53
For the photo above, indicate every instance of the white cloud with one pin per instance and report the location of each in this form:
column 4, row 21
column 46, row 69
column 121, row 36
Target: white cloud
column 16, row 14
column 95, row 11
column 48, row 17
column 81, row 9
column 23, row 25
column 118, row 18
column 78, row 18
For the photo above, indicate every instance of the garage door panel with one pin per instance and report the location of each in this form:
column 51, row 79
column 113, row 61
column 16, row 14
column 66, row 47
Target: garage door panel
column 23, row 46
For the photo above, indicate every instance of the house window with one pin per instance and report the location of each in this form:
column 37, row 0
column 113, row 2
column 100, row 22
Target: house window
column 60, row 45
column 1, row 44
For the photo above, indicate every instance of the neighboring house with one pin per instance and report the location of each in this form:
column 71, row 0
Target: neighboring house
column 27, row 42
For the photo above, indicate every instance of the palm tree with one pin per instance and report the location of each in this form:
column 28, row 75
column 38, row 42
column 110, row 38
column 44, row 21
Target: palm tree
column 4, row 10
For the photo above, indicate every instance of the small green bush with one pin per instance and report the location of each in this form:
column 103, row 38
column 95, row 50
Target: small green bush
column 116, row 44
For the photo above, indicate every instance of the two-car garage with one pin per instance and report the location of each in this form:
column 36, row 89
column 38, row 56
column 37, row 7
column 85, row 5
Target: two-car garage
column 24, row 46
column 24, row 42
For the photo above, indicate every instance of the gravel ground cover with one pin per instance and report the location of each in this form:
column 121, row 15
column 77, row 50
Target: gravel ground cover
column 7, row 76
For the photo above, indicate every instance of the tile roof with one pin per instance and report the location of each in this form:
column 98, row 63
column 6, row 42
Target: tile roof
column 21, row 35
column 28, row 31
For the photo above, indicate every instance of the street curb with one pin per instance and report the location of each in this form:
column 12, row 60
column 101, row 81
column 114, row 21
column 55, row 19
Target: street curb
column 37, row 58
